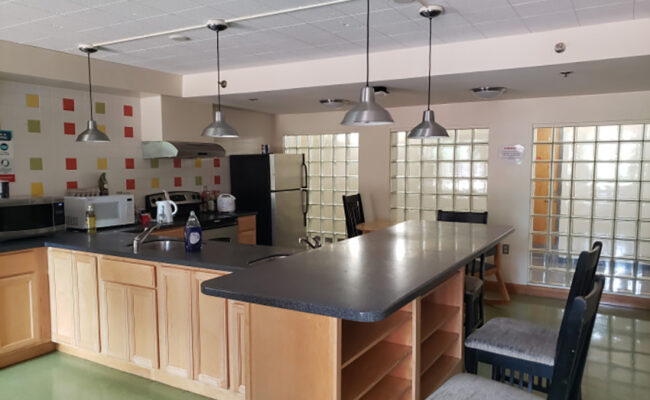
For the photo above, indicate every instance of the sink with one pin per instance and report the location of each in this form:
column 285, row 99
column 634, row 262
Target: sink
column 160, row 244
column 269, row 258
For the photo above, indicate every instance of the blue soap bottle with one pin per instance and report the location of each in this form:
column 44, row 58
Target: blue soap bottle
column 192, row 233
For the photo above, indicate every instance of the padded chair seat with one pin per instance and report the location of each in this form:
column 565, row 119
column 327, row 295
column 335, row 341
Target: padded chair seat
column 474, row 387
column 517, row 339
column 473, row 284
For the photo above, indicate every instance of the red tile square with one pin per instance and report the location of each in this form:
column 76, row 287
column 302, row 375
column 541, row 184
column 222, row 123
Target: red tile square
column 177, row 163
column 217, row 162
column 68, row 104
column 128, row 111
column 69, row 128
column 178, row 181
column 129, row 163
column 71, row 185
column 217, row 180
column 128, row 131
column 70, row 163
column 130, row 184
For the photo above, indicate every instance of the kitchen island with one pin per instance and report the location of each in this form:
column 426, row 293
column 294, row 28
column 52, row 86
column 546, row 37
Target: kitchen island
column 377, row 316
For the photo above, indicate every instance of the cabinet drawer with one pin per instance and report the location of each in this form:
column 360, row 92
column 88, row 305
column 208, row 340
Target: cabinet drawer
column 20, row 262
column 127, row 273
column 246, row 223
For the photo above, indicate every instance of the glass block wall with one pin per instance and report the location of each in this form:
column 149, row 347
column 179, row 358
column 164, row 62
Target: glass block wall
column 438, row 173
column 333, row 163
column 591, row 183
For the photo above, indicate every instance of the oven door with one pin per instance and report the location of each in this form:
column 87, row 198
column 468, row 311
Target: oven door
column 226, row 234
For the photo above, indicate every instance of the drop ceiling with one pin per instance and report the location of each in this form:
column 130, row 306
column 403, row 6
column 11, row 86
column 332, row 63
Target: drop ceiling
column 326, row 32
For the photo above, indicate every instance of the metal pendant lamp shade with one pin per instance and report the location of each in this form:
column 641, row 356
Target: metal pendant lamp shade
column 429, row 127
column 219, row 128
column 91, row 134
column 367, row 112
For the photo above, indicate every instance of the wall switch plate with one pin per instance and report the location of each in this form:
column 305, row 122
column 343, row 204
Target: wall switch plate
column 505, row 248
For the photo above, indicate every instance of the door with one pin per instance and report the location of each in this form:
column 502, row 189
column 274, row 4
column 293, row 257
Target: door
column 62, row 289
column 287, row 217
column 113, row 311
column 238, row 345
column 287, row 172
column 174, row 314
column 142, row 326
column 87, row 307
column 18, row 312
column 210, row 334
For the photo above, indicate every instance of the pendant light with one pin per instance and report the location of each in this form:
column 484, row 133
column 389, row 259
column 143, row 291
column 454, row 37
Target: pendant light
column 367, row 112
column 219, row 128
column 91, row 134
column 429, row 127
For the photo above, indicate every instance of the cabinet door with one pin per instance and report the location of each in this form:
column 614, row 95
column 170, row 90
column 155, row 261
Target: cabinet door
column 174, row 314
column 62, row 288
column 87, row 320
column 210, row 334
column 247, row 237
column 18, row 312
column 113, row 314
column 142, row 326
column 238, row 345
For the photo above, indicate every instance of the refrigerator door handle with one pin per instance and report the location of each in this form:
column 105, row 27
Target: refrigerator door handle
column 305, row 207
column 305, row 185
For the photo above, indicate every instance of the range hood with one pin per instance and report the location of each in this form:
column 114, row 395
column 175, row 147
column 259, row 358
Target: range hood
column 174, row 149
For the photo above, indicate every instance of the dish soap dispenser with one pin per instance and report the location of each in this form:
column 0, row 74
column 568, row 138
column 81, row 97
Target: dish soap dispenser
column 192, row 233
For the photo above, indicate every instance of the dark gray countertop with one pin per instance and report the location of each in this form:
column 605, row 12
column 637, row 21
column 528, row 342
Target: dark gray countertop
column 366, row 278
column 213, row 255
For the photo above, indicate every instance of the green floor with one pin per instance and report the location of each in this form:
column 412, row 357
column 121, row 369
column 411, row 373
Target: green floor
column 618, row 365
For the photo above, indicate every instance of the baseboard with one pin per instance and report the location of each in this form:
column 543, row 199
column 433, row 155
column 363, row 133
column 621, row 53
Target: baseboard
column 559, row 293
column 20, row 355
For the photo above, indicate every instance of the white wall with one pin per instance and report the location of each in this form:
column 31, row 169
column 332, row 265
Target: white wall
column 509, row 121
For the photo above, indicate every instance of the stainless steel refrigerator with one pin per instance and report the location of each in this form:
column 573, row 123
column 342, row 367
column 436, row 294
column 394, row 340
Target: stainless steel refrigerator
column 275, row 187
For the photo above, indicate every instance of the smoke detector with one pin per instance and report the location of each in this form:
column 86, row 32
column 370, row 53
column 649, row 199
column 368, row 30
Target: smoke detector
column 488, row 92
column 334, row 104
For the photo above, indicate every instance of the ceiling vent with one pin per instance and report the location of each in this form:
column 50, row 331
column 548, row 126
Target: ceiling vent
column 488, row 92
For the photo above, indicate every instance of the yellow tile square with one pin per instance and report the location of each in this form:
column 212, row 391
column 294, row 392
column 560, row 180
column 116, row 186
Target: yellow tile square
column 31, row 100
column 101, row 128
column 197, row 163
column 37, row 189
column 102, row 163
column 155, row 183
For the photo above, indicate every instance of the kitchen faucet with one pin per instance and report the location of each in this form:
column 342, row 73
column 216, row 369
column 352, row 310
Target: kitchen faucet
column 142, row 236
column 305, row 239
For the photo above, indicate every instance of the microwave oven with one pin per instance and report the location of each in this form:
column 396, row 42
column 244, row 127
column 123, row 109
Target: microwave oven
column 114, row 210
column 27, row 217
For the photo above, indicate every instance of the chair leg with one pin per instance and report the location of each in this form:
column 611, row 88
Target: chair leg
column 503, row 290
column 471, row 362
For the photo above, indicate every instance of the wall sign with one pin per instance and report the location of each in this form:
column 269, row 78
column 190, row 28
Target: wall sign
column 513, row 153
column 6, row 157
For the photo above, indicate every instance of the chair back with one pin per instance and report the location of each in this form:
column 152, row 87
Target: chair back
column 353, row 214
column 573, row 344
column 583, row 277
column 463, row 216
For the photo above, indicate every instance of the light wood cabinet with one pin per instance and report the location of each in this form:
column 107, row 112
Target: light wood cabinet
column 177, row 233
column 238, row 345
column 74, row 299
column 175, row 332
column 247, row 231
column 128, row 313
column 210, row 334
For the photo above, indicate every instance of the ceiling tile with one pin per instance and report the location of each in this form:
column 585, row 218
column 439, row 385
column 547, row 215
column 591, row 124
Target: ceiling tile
column 561, row 20
column 642, row 9
column 502, row 28
column 533, row 8
column 608, row 13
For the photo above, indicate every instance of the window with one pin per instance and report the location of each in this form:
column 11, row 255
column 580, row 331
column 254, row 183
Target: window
column 333, row 165
column 591, row 183
column 438, row 173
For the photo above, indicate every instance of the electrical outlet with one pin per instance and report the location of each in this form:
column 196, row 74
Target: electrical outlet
column 505, row 248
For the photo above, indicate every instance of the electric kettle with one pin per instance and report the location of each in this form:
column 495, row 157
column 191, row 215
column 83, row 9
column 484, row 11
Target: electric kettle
column 226, row 203
column 164, row 212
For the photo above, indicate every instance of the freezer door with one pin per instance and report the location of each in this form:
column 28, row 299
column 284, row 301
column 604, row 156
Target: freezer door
column 287, row 171
column 287, row 214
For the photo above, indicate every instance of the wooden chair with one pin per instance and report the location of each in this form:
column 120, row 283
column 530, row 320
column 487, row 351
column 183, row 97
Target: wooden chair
column 570, row 358
column 491, row 268
column 353, row 214
column 514, row 345
column 474, row 287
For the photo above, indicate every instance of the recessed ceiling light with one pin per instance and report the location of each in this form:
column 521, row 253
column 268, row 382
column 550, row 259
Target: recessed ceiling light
column 488, row 92
column 179, row 38
column 381, row 90
column 253, row 99
column 334, row 103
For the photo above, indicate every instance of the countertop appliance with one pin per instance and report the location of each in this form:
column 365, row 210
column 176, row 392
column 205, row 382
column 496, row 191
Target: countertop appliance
column 114, row 210
column 274, row 186
column 215, row 226
column 226, row 202
column 27, row 217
